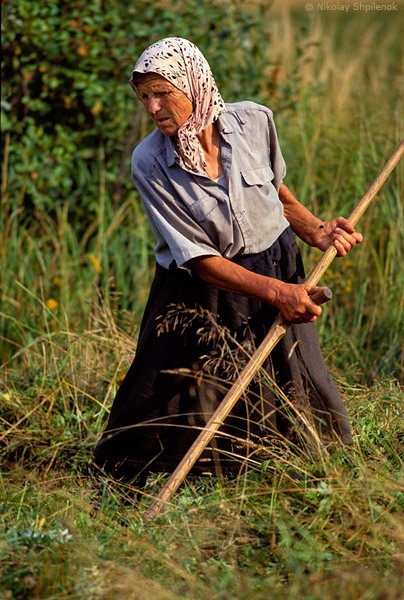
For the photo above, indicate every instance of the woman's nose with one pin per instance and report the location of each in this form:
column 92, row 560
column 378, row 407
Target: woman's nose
column 153, row 105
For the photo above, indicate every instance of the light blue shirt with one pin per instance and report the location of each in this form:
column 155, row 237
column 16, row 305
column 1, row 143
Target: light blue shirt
column 192, row 215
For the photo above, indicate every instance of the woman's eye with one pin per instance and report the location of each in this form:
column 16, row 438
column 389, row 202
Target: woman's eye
column 145, row 97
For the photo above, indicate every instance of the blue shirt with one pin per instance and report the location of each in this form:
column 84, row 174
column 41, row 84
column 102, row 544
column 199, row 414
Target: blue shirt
column 192, row 215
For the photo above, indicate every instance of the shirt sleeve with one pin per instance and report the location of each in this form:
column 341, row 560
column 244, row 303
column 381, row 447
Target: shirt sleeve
column 178, row 234
column 276, row 158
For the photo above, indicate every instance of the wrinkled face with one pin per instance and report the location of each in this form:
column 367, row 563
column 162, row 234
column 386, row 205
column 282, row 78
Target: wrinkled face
column 168, row 106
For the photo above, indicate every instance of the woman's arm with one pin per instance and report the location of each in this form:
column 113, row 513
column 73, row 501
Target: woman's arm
column 315, row 232
column 291, row 299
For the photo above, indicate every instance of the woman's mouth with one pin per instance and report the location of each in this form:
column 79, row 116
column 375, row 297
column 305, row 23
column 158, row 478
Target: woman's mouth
column 162, row 121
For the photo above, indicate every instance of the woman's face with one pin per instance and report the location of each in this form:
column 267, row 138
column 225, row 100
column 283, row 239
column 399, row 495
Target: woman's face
column 168, row 106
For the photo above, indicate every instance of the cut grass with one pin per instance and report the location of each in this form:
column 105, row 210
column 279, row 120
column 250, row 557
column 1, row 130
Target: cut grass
column 337, row 532
column 296, row 526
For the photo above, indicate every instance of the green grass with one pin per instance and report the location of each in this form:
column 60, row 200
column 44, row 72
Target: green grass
column 265, row 534
column 338, row 532
column 70, row 313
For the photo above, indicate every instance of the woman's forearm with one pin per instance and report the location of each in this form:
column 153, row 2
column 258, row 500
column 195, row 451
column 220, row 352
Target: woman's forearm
column 229, row 276
column 290, row 299
column 303, row 222
column 338, row 232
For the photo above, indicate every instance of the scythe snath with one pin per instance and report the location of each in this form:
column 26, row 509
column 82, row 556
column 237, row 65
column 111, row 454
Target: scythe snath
column 274, row 335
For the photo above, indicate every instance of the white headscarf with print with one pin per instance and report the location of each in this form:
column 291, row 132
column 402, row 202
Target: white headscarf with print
column 184, row 65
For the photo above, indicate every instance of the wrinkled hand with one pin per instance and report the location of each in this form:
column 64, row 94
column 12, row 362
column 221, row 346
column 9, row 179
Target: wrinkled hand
column 294, row 302
column 340, row 233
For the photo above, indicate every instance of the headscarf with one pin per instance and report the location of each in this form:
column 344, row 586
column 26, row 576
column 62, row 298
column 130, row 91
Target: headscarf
column 184, row 65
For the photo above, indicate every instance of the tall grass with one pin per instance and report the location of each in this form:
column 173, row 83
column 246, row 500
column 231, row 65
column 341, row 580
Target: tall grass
column 339, row 115
column 339, row 108
column 327, row 526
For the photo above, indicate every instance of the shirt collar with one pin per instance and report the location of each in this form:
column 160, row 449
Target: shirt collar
column 171, row 150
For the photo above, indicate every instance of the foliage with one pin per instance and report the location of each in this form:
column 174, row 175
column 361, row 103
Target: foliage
column 69, row 124
column 66, row 104
column 74, row 231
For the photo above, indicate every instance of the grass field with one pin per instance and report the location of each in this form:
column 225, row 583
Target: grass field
column 70, row 315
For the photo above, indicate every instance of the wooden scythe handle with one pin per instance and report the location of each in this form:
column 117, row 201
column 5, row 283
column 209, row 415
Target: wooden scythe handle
column 274, row 335
column 329, row 255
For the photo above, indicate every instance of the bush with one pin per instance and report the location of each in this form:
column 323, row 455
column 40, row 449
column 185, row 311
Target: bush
column 69, row 118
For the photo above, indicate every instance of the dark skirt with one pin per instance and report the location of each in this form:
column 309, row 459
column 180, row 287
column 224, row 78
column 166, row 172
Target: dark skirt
column 194, row 340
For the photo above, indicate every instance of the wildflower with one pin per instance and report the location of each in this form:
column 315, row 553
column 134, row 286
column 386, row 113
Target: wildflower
column 95, row 262
column 51, row 303
column 39, row 522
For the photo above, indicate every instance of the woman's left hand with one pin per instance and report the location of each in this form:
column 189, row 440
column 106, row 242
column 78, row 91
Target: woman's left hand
column 339, row 233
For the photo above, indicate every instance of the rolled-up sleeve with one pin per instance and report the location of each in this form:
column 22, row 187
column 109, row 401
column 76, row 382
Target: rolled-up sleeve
column 178, row 234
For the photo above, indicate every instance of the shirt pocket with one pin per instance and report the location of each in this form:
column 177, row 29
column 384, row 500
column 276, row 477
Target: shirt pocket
column 202, row 208
column 258, row 176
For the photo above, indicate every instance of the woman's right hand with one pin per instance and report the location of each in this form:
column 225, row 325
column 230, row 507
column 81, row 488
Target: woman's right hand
column 293, row 301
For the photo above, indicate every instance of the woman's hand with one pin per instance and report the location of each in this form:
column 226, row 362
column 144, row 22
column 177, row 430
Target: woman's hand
column 294, row 302
column 340, row 233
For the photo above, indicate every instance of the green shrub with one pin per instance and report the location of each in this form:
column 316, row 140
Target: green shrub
column 67, row 109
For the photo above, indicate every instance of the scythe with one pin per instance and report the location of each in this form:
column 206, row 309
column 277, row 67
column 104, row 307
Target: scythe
column 274, row 335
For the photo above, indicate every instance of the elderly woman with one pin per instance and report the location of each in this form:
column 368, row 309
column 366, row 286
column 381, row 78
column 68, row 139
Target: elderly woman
column 211, row 180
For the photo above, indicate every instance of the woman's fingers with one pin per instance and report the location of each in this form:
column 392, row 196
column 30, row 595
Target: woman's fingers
column 296, row 305
column 345, row 238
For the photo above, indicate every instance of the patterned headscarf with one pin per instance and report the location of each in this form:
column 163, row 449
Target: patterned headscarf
column 184, row 65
